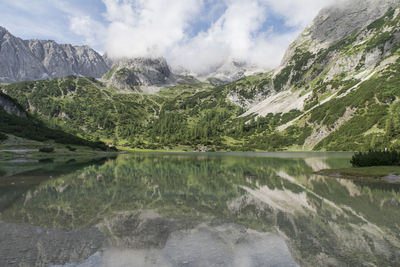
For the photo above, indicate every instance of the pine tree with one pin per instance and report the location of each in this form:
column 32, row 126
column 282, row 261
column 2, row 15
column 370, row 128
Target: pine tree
column 373, row 142
column 389, row 128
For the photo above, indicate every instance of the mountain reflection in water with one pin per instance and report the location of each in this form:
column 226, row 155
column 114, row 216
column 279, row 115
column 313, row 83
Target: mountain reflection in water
column 239, row 209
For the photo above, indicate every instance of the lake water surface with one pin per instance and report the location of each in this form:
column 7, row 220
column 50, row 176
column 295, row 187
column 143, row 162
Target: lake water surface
column 196, row 209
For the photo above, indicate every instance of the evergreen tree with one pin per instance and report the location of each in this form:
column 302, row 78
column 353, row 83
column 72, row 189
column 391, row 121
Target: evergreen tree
column 389, row 128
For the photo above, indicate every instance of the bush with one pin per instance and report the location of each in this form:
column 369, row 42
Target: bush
column 46, row 149
column 376, row 158
column 72, row 149
column 3, row 137
column 46, row 160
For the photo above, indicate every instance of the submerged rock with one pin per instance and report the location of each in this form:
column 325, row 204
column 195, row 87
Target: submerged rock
column 22, row 245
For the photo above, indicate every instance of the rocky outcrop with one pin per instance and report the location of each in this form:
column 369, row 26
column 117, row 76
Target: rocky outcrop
column 149, row 239
column 127, row 73
column 11, row 107
column 225, row 73
column 23, row 60
column 338, row 21
column 340, row 25
column 143, row 75
column 46, row 246
column 232, row 71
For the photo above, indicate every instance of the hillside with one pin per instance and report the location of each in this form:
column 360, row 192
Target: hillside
column 22, row 131
column 337, row 89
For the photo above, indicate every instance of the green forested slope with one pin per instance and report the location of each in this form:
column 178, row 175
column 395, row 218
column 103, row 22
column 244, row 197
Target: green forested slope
column 33, row 128
column 202, row 117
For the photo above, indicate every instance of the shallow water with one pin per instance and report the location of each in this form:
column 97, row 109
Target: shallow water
column 196, row 209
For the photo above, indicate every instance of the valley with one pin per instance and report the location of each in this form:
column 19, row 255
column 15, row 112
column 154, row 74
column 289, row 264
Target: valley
column 336, row 90
column 189, row 137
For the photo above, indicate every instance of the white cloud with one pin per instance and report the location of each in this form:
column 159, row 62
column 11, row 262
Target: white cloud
column 93, row 32
column 298, row 13
column 195, row 34
column 147, row 27
column 161, row 28
column 61, row 20
column 232, row 37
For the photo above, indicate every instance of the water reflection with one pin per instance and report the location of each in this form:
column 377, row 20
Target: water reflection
column 201, row 209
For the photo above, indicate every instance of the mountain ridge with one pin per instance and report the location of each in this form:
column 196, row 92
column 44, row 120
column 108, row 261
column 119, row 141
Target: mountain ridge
column 22, row 60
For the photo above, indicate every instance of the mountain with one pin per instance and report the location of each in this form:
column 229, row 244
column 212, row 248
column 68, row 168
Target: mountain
column 149, row 75
column 336, row 89
column 340, row 75
column 225, row 73
column 22, row 60
column 232, row 71
column 21, row 129
column 347, row 40
column 146, row 75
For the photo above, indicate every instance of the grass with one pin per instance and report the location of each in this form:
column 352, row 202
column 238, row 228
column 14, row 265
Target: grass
column 61, row 152
column 175, row 150
column 367, row 172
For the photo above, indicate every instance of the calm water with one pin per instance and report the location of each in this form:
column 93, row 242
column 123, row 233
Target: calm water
column 244, row 209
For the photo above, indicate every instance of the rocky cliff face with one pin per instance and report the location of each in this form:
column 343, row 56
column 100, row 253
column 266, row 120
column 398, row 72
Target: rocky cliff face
column 143, row 75
column 11, row 106
column 228, row 72
column 35, row 59
column 341, row 39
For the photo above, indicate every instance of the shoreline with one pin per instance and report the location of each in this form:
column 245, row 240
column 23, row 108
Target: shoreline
column 385, row 174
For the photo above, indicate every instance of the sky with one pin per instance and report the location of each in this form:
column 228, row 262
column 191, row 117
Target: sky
column 194, row 34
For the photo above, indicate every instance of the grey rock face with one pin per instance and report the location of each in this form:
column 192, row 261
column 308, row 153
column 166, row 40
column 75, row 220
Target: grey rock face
column 232, row 71
column 336, row 22
column 35, row 59
column 11, row 107
column 227, row 72
column 131, row 74
column 139, row 74
column 148, row 239
column 36, row 246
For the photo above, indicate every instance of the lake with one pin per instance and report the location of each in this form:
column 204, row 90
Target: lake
column 196, row 209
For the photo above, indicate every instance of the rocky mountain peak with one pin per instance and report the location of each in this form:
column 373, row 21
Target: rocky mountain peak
column 3, row 30
column 229, row 71
column 350, row 48
column 343, row 18
column 132, row 74
column 233, row 70
column 159, row 64
column 22, row 60
column 336, row 27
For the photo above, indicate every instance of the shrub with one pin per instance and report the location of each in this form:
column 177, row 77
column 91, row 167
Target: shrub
column 46, row 149
column 3, row 137
column 46, row 160
column 376, row 158
column 72, row 149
